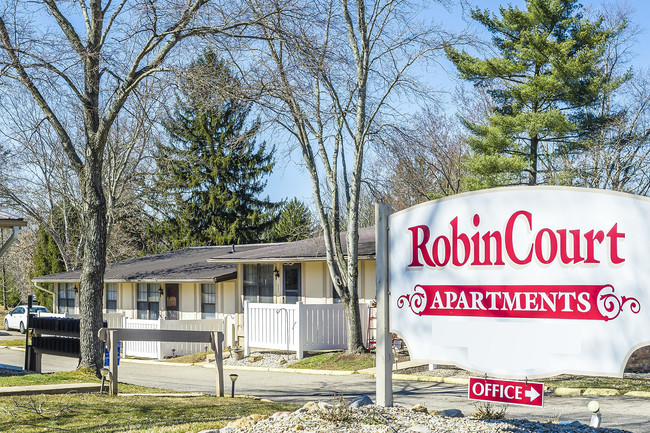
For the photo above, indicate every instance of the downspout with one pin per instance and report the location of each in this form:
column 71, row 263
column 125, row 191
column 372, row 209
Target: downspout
column 9, row 241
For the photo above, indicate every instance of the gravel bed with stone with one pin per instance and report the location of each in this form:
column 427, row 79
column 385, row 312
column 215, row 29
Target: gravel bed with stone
column 362, row 416
column 265, row 359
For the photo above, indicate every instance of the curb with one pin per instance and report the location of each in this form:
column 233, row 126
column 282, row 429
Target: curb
column 560, row 392
column 243, row 367
column 60, row 388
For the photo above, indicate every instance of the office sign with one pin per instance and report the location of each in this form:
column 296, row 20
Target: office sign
column 506, row 391
column 523, row 282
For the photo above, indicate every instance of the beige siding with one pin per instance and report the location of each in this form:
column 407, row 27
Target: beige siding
column 187, row 302
column 312, row 276
column 369, row 280
column 227, row 297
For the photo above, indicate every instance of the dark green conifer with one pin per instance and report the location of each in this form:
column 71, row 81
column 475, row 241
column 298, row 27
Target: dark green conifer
column 211, row 172
column 544, row 82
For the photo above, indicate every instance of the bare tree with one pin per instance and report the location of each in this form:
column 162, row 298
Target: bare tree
column 333, row 73
column 80, row 62
column 420, row 161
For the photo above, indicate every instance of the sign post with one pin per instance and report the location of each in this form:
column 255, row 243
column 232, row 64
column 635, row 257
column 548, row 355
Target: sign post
column 384, row 381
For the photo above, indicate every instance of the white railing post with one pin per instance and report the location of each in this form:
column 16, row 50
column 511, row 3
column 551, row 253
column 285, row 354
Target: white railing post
column 300, row 331
column 247, row 328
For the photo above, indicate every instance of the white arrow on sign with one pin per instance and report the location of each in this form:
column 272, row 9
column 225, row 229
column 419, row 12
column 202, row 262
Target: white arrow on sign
column 532, row 394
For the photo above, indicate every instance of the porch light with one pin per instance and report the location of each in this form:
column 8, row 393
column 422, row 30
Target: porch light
column 276, row 273
column 160, row 291
column 233, row 378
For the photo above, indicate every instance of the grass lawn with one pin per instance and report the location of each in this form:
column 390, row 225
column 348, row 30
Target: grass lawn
column 622, row 385
column 78, row 376
column 192, row 358
column 18, row 342
column 101, row 413
column 336, row 361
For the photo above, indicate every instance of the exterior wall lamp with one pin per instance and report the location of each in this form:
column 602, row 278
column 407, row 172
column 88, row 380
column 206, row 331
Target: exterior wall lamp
column 276, row 273
column 160, row 291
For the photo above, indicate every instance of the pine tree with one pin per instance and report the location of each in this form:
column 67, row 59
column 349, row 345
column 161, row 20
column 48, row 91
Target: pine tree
column 294, row 223
column 210, row 174
column 545, row 84
column 47, row 260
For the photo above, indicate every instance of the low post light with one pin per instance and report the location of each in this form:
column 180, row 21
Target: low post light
column 104, row 372
column 596, row 417
column 233, row 378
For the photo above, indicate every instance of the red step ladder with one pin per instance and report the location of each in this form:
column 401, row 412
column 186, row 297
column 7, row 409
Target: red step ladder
column 372, row 326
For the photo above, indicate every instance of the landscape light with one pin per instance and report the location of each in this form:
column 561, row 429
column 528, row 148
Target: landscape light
column 104, row 372
column 233, row 378
column 594, row 407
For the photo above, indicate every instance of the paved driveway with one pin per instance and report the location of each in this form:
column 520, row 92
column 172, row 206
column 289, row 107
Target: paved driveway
column 627, row 413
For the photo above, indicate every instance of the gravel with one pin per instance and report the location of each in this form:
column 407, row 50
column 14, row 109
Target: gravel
column 378, row 419
column 269, row 360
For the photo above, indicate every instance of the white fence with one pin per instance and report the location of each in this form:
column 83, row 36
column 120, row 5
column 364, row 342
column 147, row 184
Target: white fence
column 298, row 327
column 114, row 320
column 160, row 350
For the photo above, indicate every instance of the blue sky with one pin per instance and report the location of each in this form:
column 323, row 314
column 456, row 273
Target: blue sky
column 290, row 179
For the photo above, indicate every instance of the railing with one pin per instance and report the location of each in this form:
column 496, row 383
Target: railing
column 160, row 350
column 114, row 320
column 297, row 327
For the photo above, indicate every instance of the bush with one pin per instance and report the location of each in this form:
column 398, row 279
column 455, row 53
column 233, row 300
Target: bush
column 489, row 411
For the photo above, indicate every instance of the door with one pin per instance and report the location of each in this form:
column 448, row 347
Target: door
column 171, row 301
column 291, row 274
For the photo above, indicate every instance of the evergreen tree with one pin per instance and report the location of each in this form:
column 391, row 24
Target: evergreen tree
column 294, row 223
column 210, row 175
column 47, row 260
column 545, row 84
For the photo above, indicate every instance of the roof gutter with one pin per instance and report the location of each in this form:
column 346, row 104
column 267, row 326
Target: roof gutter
column 44, row 289
column 8, row 242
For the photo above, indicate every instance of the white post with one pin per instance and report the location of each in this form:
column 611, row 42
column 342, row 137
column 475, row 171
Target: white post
column 247, row 328
column 112, row 362
column 384, row 371
column 300, row 330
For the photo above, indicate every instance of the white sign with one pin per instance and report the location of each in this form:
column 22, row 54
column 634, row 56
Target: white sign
column 517, row 282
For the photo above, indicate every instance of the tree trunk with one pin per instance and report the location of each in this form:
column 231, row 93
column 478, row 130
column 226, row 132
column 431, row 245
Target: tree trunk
column 94, row 265
column 534, row 144
column 353, row 321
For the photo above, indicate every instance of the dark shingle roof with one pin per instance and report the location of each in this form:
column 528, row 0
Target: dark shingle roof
column 306, row 250
column 9, row 220
column 189, row 264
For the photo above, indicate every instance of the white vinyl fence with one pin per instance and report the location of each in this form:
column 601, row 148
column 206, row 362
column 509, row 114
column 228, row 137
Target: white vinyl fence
column 297, row 327
column 160, row 350
column 114, row 320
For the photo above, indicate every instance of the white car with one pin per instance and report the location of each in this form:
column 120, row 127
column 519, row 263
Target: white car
column 17, row 318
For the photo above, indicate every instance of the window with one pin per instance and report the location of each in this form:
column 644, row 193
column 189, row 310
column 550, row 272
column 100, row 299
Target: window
column 111, row 297
column 335, row 296
column 208, row 301
column 148, row 301
column 291, row 274
column 258, row 283
column 66, row 297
